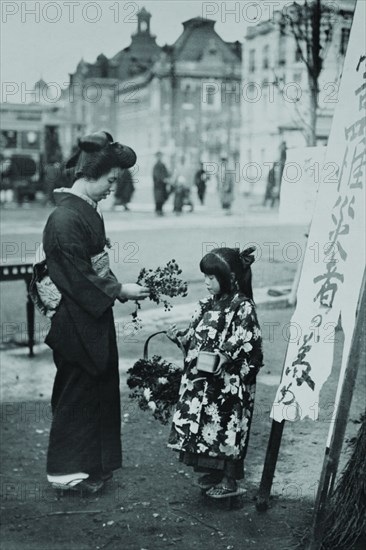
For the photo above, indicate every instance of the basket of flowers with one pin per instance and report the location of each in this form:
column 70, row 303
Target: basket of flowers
column 155, row 383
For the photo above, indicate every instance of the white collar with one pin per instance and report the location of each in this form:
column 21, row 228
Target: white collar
column 81, row 196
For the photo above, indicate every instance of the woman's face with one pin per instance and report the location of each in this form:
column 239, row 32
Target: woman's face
column 212, row 284
column 100, row 189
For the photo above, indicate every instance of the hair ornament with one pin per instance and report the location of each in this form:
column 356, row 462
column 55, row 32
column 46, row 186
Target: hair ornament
column 95, row 142
column 247, row 257
column 91, row 143
column 99, row 141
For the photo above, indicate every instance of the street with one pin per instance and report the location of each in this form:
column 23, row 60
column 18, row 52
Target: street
column 139, row 239
column 152, row 502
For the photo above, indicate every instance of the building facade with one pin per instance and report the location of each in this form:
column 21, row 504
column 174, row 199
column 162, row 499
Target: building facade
column 175, row 98
column 275, row 94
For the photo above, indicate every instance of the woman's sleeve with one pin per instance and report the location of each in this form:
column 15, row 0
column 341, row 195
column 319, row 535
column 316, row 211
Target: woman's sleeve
column 243, row 344
column 70, row 268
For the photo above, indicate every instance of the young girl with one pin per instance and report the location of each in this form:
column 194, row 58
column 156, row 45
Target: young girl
column 212, row 420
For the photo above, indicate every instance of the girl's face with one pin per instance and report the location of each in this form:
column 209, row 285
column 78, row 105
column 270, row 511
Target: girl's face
column 212, row 284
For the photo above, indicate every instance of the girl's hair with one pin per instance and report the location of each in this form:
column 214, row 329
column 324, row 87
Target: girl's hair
column 97, row 154
column 222, row 262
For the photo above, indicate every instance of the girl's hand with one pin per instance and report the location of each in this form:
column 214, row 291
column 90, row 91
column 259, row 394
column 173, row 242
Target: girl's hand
column 223, row 360
column 172, row 332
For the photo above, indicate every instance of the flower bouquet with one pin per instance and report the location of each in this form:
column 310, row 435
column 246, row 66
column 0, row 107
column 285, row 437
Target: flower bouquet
column 155, row 384
column 163, row 281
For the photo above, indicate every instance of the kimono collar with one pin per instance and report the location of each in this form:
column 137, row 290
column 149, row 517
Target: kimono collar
column 230, row 303
column 77, row 194
column 84, row 208
column 85, row 198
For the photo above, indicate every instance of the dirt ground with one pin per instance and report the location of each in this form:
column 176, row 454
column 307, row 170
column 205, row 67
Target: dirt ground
column 152, row 503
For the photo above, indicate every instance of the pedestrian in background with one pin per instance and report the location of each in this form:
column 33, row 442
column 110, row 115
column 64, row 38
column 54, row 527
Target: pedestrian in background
column 226, row 184
column 274, row 179
column 269, row 194
column 85, row 445
column 200, row 180
column 160, row 179
column 182, row 185
column 124, row 188
column 211, row 424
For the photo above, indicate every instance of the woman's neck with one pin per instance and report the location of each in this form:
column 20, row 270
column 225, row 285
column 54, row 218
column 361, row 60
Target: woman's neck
column 80, row 186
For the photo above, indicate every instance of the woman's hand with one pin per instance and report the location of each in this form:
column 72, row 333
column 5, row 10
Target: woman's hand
column 223, row 358
column 133, row 291
column 172, row 332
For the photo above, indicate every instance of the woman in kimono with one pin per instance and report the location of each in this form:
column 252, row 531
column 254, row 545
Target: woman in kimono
column 85, row 445
column 212, row 419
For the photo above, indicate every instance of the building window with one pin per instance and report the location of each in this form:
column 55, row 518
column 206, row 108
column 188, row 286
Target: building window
column 8, row 139
column 266, row 57
column 253, row 91
column 344, row 40
column 187, row 94
column 251, row 61
column 230, row 92
column 298, row 56
column 282, row 50
column 210, row 95
column 30, row 140
column 212, row 47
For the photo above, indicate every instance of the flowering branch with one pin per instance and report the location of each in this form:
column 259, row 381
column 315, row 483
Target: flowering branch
column 163, row 281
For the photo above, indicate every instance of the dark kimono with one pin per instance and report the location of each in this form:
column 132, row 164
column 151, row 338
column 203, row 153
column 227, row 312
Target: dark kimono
column 85, row 432
column 160, row 173
column 125, row 187
column 212, row 420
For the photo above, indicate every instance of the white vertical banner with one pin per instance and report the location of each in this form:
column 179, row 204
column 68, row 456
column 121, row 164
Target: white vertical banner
column 300, row 181
column 335, row 255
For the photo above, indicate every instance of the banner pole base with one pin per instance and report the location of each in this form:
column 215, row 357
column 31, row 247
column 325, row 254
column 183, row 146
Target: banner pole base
column 269, row 466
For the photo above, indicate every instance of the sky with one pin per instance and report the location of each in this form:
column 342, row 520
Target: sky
column 47, row 38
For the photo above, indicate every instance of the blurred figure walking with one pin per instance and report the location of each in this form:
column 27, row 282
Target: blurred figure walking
column 124, row 188
column 226, row 184
column 274, row 179
column 160, row 178
column 182, row 186
column 200, row 180
column 269, row 194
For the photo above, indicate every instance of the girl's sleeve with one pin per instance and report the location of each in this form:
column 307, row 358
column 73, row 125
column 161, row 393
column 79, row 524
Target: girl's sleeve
column 243, row 345
column 184, row 336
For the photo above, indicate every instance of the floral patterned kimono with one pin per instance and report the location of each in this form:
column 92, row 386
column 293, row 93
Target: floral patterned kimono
column 212, row 419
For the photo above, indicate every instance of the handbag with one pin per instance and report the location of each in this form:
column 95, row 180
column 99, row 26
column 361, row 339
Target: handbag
column 43, row 291
column 210, row 361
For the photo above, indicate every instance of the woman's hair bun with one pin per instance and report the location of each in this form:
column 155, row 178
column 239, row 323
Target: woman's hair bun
column 94, row 142
column 97, row 153
column 246, row 255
